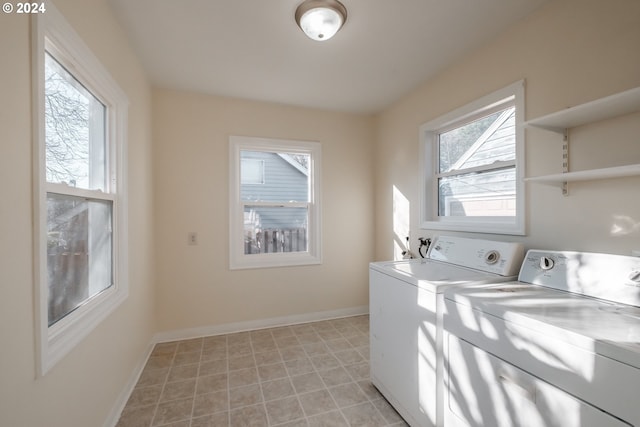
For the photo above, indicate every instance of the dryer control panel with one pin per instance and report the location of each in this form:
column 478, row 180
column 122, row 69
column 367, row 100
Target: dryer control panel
column 614, row 278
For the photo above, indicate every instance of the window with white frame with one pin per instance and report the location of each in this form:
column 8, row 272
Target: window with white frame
column 80, row 198
column 276, row 223
column 473, row 166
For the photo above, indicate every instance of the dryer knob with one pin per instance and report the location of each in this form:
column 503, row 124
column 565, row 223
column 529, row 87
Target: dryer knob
column 546, row 263
column 635, row 276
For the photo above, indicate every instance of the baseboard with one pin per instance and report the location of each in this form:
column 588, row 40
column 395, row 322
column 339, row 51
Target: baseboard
column 226, row 328
column 122, row 399
column 251, row 325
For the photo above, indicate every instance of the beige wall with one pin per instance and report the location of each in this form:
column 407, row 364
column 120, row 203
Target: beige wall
column 83, row 388
column 195, row 286
column 569, row 52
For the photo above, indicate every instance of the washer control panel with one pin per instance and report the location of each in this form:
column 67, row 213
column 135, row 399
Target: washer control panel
column 611, row 277
column 503, row 258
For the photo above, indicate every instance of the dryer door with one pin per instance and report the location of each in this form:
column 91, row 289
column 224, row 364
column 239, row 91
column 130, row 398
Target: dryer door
column 483, row 390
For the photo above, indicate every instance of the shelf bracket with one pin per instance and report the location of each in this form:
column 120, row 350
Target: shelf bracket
column 565, row 160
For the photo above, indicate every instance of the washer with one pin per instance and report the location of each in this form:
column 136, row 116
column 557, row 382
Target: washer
column 406, row 304
column 558, row 347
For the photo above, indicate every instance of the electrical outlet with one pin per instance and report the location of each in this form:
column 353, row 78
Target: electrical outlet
column 192, row 238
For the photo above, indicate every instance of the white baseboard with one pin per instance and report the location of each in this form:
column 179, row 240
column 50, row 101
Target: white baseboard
column 226, row 328
column 121, row 402
column 251, row 325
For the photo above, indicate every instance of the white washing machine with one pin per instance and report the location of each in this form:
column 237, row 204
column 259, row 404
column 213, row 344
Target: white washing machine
column 406, row 318
column 558, row 347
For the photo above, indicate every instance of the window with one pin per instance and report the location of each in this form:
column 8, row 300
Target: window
column 473, row 165
column 80, row 204
column 275, row 223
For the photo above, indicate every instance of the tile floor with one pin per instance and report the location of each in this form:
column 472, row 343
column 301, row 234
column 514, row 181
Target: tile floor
column 313, row 374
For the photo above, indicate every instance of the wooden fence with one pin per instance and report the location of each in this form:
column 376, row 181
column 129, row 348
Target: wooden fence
column 276, row 240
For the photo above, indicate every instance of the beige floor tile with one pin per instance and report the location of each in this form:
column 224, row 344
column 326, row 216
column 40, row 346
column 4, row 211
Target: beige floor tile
column 178, row 390
column 291, row 376
column 220, row 419
column 317, row 402
column 328, row 419
column 137, row 417
column 211, row 403
column 254, row 416
column 348, row 394
column 284, row 410
column 307, row 382
column 335, row 376
column 267, row 357
column 364, row 414
column 176, row 410
column 277, row 389
column 243, row 377
column 245, row 396
column 183, row 372
column 271, row 372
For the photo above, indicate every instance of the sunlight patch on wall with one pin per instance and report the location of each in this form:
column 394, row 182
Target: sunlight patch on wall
column 401, row 222
column 623, row 225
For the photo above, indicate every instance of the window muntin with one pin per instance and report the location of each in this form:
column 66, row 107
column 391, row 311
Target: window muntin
column 275, row 223
column 473, row 164
column 80, row 201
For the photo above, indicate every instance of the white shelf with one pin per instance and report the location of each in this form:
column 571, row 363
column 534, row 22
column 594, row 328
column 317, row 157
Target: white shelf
column 587, row 175
column 604, row 108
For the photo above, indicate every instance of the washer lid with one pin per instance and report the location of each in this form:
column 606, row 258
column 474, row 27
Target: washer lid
column 433, row 275
column 606, row 328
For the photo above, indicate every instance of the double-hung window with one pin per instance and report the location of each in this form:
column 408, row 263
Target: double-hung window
column 80, row 200
column 274, row 202
column 473, row 165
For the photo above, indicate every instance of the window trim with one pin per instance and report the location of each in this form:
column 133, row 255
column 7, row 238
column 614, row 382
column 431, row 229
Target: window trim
column 313, row 255
column 52, row 33
column 429, row 216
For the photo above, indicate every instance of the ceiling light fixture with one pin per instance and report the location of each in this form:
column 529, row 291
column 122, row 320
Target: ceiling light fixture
column 321, row 19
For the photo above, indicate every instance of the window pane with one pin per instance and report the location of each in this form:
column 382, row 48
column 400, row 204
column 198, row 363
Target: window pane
column 74, row 131
column 252, row 171
column 275, row 229
column 478, row 194
column 79, row 252
column 285, row 177
column 481, row 142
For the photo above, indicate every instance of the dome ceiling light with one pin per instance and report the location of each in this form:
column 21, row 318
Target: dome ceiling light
column 321, row 19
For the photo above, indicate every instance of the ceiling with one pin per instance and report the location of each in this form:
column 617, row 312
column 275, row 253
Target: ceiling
column 253, row 49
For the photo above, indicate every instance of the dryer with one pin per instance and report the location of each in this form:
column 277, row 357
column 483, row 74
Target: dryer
column 406, row 301
column 558, row 347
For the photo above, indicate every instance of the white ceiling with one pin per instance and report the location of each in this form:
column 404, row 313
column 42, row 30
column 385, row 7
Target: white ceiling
column 253, row 49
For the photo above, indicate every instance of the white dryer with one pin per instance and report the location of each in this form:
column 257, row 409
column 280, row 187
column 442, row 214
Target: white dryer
column 406, row 304
column 559, row 347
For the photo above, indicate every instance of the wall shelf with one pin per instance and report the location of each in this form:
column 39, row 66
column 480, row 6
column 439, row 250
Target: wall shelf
column 587, row 175
column 561, row 121
column 604, row 108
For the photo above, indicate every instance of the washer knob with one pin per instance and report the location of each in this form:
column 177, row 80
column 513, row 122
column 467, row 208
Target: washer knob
column 635, row 276
column 492, row 257
column 546, row 263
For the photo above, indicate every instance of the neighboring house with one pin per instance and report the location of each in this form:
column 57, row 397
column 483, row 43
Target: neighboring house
column 484, row 194
column 274, row 177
